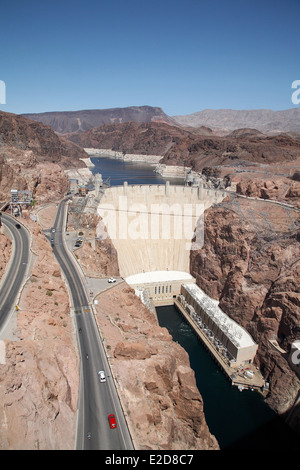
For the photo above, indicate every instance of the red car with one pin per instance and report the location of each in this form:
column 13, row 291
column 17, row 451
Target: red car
column 112, row 421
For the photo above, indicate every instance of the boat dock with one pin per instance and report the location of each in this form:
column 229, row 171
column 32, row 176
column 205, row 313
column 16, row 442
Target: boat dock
column 243, row 377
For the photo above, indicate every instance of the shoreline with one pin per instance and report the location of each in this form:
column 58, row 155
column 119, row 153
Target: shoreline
column 166, row 171
column 129, row 157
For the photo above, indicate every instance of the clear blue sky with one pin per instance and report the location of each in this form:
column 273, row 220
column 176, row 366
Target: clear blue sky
column 181, row 55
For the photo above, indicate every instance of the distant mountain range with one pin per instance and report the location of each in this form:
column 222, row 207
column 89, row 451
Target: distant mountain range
column 67, row 122
column 264, row 120
column 222, row 121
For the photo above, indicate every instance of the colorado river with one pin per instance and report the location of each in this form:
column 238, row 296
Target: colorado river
column 239, row 420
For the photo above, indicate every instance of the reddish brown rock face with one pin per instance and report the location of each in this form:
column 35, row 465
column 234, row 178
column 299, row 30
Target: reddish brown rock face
column 250, row 263
column 192, row 147
column 33, row 157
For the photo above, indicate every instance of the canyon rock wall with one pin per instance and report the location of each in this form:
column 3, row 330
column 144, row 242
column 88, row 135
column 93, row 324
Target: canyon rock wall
column 250, row 263
column 32, row 158
column 180, row 146
column 5, row 253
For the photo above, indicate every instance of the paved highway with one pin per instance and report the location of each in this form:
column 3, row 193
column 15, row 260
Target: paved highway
column 15, row 274
column 96, row 400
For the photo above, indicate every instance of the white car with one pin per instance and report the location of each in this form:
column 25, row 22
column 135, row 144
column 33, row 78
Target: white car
column 101, row 376
column 111, row 279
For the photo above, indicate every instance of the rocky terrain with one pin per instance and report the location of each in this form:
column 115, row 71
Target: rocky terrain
column 250, row 263
column 98, row 258
column 5, row 246
column 80, row 121
column 33, row 157
column 40, row 378
column 265, row 120
column 181, row 147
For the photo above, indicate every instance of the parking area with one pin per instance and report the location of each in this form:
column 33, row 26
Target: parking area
column 96, row 285
column 73, row 240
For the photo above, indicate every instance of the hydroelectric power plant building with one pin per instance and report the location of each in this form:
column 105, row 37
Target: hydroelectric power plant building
column 159, row 288
column 233, row 341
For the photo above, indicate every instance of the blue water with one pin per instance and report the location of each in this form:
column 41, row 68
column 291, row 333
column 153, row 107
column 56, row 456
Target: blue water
column 239, row 420
column 132, row 172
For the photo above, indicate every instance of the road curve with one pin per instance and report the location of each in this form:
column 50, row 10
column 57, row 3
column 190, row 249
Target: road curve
column 96, row 400
column 16, row 270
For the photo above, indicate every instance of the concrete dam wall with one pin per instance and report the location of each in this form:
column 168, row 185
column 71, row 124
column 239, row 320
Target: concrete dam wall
column 152, row 226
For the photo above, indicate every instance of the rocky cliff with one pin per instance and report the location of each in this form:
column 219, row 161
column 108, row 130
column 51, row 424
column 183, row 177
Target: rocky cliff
column 33, row 157
column 5, row 247
column 250, row 263
column 98, row 258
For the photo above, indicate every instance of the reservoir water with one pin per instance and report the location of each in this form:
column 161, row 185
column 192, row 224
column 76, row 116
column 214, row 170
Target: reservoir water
column 239, row 420
column 119, row 171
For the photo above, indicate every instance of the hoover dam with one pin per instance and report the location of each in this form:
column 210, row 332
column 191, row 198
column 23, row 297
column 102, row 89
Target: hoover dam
column 154, row 228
